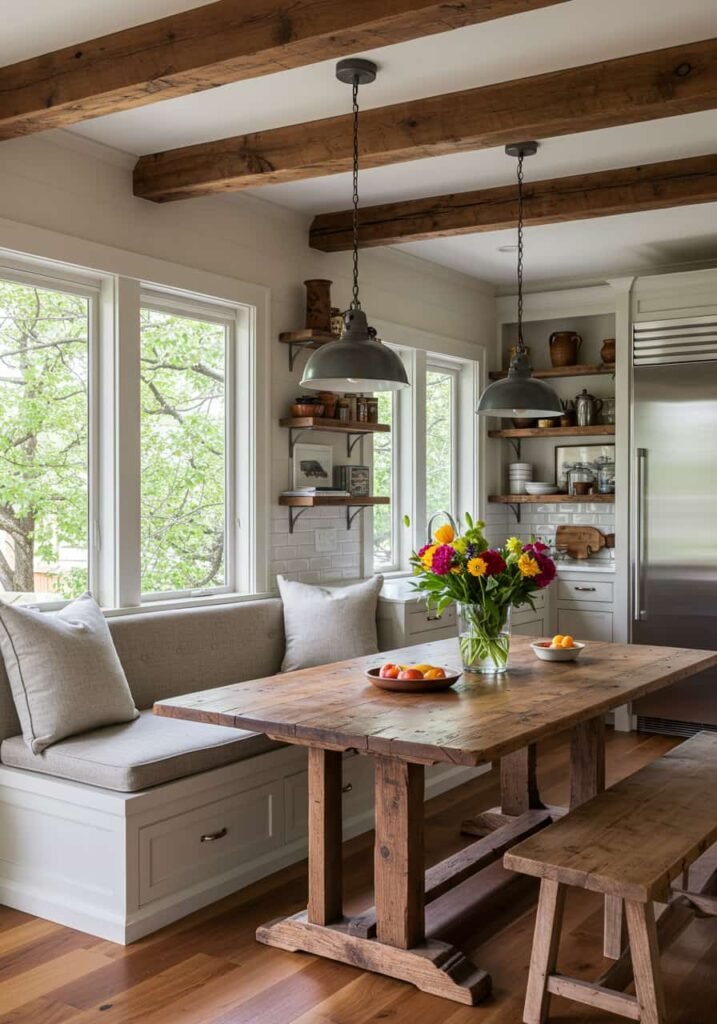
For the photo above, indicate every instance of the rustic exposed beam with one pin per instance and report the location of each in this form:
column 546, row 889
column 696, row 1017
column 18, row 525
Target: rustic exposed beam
column 678, row 80
column 656, row 186
column 209, row 46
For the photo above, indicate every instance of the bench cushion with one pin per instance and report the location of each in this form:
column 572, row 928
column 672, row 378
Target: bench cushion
column 639, row 835
column 140, row 754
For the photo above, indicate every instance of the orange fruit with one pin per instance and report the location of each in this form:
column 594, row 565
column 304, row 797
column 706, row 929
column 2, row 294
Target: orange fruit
column 567, row 641
column 434, row 673
column 557, row 640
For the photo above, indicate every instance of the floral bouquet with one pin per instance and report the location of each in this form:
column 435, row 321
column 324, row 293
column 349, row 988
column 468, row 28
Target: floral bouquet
column 485, row 583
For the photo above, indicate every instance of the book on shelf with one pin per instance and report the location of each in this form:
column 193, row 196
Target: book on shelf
column 314, row 492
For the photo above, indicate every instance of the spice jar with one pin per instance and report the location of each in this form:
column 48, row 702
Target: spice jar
column 342, row 410
column 373, row 410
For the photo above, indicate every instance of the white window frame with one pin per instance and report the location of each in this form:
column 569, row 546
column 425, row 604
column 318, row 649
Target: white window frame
column 35, row 274
column 419, row 350
column 438, row 364
column 395, row 495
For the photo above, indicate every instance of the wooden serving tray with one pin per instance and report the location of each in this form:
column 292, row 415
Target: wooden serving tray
column 581, row 541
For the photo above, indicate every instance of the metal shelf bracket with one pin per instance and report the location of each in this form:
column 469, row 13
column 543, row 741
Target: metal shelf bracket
column 515, row 441
column 351, row 441
column 294, row 434
column 295, row 514
column 516, row 510
column 350, row 516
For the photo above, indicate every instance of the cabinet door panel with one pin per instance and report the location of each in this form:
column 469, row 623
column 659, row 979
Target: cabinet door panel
column 532, row 627
column 585, row 625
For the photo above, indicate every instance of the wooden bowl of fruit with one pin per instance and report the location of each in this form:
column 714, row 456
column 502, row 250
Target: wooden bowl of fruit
column 411, row 678
column 560, row 648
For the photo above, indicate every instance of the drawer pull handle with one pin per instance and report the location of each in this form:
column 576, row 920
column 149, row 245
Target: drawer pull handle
column 348, row 788
column 587, row 589
column 433, row 618
column 210, row 837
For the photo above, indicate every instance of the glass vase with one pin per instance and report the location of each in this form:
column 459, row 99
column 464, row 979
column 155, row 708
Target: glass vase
column 484, row 637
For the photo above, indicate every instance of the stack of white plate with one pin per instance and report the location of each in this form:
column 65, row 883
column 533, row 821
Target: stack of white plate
column 518, row 475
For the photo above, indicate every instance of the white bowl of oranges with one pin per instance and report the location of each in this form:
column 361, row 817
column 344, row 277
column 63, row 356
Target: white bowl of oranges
column 412, row 678
column 560, row 648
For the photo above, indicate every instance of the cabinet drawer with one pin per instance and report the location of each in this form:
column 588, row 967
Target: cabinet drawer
column 208, row 840
column 529, row 627
column 585, row 590
column 585, row 625
column 420, row 621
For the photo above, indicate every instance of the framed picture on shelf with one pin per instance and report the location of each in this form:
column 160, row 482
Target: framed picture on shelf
column 569, row 455
column 312, row 466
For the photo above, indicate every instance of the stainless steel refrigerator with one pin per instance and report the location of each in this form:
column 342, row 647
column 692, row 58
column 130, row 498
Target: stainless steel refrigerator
column 674, row 508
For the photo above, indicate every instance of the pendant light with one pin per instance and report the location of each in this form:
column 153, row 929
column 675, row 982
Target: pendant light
column 357, row 362
column 520, row 394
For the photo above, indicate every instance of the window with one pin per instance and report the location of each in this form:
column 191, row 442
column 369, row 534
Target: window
column 45, row 357
column 183, row 452
column 440, row 440
column 384, row 485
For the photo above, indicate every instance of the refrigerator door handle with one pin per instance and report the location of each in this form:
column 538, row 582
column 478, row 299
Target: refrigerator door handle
column 639, row 528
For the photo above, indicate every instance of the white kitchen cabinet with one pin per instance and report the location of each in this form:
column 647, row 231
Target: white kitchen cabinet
column 585, row 623
column 526, row 622
column 404, row 620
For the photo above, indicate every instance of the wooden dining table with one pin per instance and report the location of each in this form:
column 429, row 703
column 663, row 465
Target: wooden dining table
column 334, row 708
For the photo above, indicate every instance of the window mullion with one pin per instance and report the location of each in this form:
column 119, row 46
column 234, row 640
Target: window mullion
column 127, row 457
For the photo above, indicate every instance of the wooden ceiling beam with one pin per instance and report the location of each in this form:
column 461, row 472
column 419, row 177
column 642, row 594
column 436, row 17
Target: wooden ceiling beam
column 223, row 42
column 643, row 87
column 657, row 186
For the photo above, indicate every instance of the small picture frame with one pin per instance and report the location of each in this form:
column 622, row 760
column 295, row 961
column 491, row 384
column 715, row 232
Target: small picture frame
column 312, row 466
column 569, row 455
column 354, row 479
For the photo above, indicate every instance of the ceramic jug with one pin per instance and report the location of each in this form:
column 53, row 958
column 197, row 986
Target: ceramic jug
column 564, row 348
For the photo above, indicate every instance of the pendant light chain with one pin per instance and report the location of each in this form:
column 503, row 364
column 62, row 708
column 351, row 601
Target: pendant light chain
column 521, row 345
column 355, row 302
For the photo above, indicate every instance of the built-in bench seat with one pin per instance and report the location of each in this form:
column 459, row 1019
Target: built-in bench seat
column 138, row 755
column 630, row 843
column 121, row 830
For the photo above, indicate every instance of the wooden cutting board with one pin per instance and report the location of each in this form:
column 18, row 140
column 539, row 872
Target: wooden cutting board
column 581, row 541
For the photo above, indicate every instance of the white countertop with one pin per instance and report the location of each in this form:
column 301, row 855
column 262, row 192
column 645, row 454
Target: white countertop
column 585, row 565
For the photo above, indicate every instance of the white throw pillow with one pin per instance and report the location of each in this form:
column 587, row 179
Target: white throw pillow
column 64, row 672
column 325, row 624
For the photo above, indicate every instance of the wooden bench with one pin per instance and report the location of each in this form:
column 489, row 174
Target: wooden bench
column 630, row 843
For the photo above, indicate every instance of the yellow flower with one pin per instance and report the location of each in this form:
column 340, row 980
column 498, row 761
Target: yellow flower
column 514, row 546
column 444, row 534
column 427, row 557
column 457, row 570
column 460, row 545
column 528, row 566
column 477, row 567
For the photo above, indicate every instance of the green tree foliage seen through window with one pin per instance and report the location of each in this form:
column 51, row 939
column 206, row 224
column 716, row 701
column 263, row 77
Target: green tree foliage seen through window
column 183, row 452
column 43, row 440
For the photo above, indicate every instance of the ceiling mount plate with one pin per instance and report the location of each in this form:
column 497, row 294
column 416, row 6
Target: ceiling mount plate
column 356, row 69
column 519, row 149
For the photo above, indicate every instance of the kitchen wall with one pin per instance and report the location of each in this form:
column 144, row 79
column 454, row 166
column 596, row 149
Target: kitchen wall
column 84, row 191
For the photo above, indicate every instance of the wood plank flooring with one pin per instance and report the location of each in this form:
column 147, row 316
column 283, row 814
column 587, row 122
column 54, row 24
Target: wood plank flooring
column 208, row 969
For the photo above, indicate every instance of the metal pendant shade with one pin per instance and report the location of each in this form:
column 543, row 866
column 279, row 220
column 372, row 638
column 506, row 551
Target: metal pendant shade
column 357, row 362
column 520, row 394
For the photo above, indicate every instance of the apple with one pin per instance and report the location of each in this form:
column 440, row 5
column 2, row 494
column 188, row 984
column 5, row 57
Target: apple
column 389, row 671
column 410, row 673
column 434, row 673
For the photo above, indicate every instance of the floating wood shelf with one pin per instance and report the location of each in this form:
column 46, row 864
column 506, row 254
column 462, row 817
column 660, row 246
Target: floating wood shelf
column 516, row 500
column 604, row 429
column 299, row 340
column 550, row 499
column 581, row 370
column 353, row 505
column 354, row 430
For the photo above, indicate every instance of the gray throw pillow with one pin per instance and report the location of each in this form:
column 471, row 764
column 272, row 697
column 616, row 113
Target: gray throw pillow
column 325, row 624
column 64, row 672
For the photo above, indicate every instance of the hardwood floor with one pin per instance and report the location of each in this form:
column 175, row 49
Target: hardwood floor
column 208, row 969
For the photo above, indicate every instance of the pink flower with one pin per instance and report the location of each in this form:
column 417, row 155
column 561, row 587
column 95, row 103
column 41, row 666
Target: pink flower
column 423, row 550
column 443, row 559
column 538, row 547
column 494, row 561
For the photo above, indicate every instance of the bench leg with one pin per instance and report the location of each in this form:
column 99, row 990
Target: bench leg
column 645, row 952
column 543, row 960
column 614, row 930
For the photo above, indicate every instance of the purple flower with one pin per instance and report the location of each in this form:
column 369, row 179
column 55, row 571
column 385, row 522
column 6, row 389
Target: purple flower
column 443, row 559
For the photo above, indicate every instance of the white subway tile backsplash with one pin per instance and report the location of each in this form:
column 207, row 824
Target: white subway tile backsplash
column 584, row 519
column 297, row 565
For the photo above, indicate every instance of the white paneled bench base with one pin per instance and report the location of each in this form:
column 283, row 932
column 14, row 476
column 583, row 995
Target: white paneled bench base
column 121, row 865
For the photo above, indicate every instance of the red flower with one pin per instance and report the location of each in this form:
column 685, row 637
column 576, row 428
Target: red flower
column 494, row 561
column 538, row 547
column 423, row 550
column 547, row 569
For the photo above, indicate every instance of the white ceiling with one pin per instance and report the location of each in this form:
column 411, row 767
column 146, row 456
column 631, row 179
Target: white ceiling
column 578, row 32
